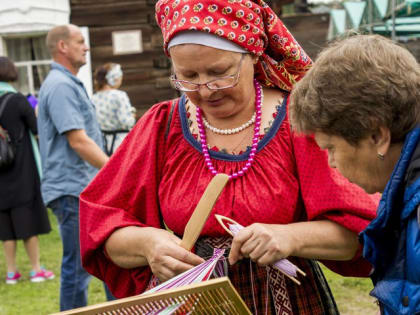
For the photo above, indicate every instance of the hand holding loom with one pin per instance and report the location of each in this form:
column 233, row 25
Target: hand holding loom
column 165, row 257
column 285, row 266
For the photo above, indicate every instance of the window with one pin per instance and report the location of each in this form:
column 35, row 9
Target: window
column 31, row 57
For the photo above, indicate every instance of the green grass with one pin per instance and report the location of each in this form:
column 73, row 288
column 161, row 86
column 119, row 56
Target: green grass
column 351, row 294
column 43, row 298
column 39, row 298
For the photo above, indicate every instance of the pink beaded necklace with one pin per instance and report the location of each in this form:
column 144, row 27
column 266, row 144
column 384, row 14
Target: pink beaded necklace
column 258, row 101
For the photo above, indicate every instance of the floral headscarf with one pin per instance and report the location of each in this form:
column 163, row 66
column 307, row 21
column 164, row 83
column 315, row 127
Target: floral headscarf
column 251, row 24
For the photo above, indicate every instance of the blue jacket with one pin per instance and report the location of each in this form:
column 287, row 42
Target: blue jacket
column 392, row 239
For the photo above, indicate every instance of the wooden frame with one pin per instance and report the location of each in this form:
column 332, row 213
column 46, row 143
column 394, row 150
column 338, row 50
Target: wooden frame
column 121, row 40
column 216, row 296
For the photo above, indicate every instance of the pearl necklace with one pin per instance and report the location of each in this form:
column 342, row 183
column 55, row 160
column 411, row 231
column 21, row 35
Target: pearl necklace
column 229, row 131
column 259, row 96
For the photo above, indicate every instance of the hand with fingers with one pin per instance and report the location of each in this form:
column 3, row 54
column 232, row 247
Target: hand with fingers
column 166, row 257
column 264, row 244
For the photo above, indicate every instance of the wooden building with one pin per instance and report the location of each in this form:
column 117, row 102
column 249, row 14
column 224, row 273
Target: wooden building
column 310, row 30
column 146, row 73
column 23, row 28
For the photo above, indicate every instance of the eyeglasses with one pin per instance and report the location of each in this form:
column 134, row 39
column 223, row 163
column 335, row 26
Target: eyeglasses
column 216, row 84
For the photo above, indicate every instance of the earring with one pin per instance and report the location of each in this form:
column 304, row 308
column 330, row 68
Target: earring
column 380, row 156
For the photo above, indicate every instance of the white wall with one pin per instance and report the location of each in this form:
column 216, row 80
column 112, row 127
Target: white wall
column 85, row 72
column 18, row 16
column 33, row 17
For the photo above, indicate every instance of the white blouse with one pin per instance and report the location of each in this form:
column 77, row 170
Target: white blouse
column 114, row 112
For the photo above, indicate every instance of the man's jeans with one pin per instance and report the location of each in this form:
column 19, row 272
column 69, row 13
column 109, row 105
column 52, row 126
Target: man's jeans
column 74, row 279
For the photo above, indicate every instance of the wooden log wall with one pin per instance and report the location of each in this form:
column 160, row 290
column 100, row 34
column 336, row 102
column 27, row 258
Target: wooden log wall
column 145, row 74
column 310, row 30
column 413, row 46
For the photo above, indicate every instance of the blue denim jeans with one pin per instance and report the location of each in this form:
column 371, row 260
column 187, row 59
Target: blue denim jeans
column 74, row 279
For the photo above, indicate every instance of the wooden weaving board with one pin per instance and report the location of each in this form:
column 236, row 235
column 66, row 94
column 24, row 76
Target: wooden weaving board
column 216, row 296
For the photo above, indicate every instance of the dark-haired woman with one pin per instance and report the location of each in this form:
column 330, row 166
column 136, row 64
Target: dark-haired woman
column 113, row 107
column 23, row 215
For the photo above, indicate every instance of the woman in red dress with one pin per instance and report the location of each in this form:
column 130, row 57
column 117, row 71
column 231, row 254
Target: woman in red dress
column 235, row 62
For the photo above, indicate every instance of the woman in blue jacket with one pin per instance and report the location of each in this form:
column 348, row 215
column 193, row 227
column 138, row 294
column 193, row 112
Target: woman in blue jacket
column 362, row 102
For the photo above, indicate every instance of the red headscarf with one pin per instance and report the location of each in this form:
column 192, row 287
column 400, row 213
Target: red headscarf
column 249, row 23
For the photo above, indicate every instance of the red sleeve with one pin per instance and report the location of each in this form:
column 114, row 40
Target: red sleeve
column 328, row 195
column 119, row 196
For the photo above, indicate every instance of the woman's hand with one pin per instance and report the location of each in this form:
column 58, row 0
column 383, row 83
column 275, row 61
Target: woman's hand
column 262, row 243
column 268, row 243
column 166, row 257
column 133, row 247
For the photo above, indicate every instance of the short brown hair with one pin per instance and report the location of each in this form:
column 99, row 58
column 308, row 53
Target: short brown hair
column 355, row 86
column 99, row 77
column 8, row 71
column 61, row 32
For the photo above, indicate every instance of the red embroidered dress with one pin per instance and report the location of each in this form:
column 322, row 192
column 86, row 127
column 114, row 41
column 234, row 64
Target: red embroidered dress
column 151, row 175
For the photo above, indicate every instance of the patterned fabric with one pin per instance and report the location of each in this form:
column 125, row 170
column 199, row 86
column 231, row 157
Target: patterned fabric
column 265, row 290
column 155, row 176
column 250, row 279
column 314, row 295
column 114, row 112
column 249, row 23
column 114, row 74
column 278, row 288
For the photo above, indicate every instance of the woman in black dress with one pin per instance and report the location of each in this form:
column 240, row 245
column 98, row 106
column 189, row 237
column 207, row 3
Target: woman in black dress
column 23, row 215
